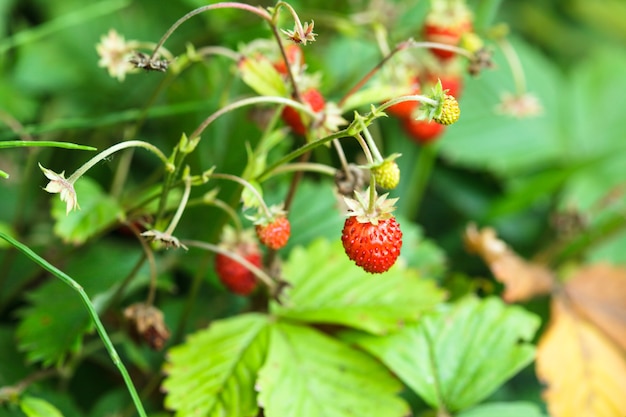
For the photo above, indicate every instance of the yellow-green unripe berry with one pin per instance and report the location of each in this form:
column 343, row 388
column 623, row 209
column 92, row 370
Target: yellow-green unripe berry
column 450, row 111
column 387, row 175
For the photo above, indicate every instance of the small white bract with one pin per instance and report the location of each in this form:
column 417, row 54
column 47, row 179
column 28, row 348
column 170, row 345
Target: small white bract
column 59, row 184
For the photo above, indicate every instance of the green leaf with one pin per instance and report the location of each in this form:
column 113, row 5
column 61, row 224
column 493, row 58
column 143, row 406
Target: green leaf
column 97, row 212
column 53, row 325
column 55, row 321
column 505, row 144
column 516, row 409
column 309, row 374
column 326, row 287
column 214, row 372
column 262, row 77
column 36, row 407
column 455, row 358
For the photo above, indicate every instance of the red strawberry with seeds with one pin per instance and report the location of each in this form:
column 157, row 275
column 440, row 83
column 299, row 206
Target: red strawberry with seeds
column 311, row 97
column 372, row 237
column 234, row 275
column 275, row 233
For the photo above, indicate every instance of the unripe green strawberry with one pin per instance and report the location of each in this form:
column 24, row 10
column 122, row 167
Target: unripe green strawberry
column 450, row 111
column 387, row 174
column 274, row 234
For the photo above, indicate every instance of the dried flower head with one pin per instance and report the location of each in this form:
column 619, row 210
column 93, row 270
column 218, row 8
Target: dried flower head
column 148, row 324
column 114, row 52
column 166, row 239
column 59, row 184
column 143, row 61
column 301, row 34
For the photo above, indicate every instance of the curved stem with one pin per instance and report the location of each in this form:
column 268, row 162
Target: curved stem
column 181, row 207
column 248, row 102
column 366, row 150
column 304, row 166
column 92, row 313
column 300, row 151
column 250, row 188
column 234, row 5
column 377, row 157
column 515, row 64
column 122, row 145
column 258, row 272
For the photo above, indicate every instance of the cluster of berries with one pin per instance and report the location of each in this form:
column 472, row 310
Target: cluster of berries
column 449, row 24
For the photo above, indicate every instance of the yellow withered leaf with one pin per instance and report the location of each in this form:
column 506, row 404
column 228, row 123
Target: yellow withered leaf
column 584, row 371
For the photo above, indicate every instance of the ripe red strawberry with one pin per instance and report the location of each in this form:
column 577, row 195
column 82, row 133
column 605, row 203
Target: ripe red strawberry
column 372, row 237
column 446, row 23
column 423, row 131
column 314, row 99
column 235, row 276
column 373, row 247
column 295, row 57
column 274, row 234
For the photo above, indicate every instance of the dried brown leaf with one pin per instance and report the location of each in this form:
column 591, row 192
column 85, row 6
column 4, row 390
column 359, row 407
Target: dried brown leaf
column 598, row 293
column 522, row 279
column 585, row 371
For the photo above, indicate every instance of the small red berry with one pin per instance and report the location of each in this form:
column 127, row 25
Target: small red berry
column 373, row 247
column 311, row 97
column 235, row 276
column 274, row 234
column 423, row 131
column 295, row 57
column 446, row 24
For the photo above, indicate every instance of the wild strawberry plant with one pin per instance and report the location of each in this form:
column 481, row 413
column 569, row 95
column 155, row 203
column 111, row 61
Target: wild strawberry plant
column 245, row 242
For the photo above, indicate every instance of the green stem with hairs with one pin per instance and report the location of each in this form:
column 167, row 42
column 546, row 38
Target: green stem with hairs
column 92, row 313
column 122, row 145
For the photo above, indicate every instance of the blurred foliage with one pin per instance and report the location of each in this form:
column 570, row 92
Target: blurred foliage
column 548, row 184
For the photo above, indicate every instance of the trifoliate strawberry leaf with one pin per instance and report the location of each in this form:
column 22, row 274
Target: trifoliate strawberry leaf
column 97, row 212
column 514, row 409
column 455, row 358
column 214, row 372
column 326, row 287
column 309, row 374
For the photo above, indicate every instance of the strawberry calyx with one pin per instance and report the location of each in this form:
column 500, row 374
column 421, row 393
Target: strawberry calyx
column 367, row 207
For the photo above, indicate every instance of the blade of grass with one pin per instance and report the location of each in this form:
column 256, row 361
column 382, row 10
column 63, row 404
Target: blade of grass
column 92, row 312
column 44, row 143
